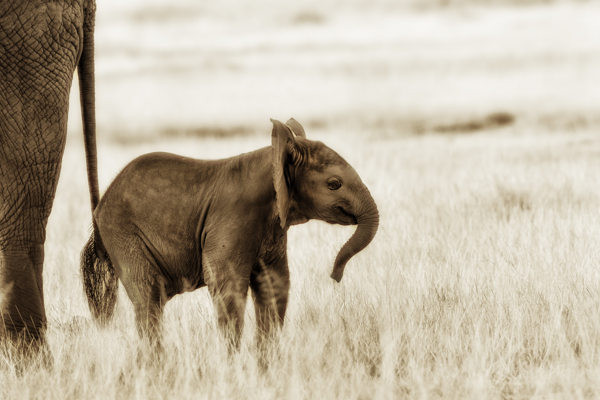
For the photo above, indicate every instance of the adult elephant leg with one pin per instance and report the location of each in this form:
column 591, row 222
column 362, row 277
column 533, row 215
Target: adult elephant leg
column 25, row 204
column 22, row 277
column 40, row 44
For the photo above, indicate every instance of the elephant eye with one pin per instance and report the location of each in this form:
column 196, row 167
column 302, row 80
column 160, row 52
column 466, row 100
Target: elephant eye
column 334, row 184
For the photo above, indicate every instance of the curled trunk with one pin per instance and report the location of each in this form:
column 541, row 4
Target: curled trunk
column 368, row 222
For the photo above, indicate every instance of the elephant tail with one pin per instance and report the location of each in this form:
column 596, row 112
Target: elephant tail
column 99, row 280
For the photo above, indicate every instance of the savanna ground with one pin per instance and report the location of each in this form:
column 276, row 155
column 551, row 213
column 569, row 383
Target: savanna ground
column 483, row 280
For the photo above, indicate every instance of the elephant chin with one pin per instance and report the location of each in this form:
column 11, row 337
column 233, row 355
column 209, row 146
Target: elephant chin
column 368, row 222
column 341, row 217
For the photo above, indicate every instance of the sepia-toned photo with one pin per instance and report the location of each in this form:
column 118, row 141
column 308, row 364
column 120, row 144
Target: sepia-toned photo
column 384, row 199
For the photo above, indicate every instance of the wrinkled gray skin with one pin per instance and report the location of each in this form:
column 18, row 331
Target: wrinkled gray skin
column 41, row 44
column 173, row 224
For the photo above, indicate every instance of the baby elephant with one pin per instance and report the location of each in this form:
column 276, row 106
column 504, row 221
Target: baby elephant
column 170, row 224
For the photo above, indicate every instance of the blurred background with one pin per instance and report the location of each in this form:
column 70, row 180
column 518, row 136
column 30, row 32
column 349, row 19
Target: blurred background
column 377, row 68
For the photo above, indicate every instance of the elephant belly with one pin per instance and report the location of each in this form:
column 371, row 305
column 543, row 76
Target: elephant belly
column 176, row 261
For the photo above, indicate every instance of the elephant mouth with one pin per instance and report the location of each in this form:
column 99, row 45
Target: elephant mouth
column 346, row 217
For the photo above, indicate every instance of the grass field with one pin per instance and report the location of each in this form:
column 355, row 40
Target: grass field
column 483, row 280
column 481, row 283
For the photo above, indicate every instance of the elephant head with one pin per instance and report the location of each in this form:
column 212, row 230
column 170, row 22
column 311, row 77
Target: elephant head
column 314, row 182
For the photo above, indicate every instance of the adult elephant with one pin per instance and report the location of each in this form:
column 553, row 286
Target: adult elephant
column 41, row 44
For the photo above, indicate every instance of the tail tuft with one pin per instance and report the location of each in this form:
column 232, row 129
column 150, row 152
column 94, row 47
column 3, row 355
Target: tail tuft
column 99, row 281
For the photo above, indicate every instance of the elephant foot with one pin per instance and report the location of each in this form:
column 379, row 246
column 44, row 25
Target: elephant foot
column 22, row 314
column 21, row 351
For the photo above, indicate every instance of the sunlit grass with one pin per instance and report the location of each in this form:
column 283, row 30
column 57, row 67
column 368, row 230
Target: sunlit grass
column 483, row 279
column 482, row 282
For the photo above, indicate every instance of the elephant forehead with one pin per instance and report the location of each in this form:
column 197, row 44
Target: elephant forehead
column 322, row 158
column 345, row 172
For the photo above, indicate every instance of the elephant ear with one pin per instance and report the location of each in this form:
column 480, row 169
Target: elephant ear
column 282, row 141
column 296, row 128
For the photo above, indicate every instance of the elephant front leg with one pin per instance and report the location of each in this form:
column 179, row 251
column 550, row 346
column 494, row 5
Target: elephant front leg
column 228, row 287
column 270, row 287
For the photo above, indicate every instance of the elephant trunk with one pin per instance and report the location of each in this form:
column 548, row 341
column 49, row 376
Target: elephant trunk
column 368, row 221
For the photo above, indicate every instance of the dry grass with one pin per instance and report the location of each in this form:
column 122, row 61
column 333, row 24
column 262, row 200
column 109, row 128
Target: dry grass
column 483, row 280
column 481, row 283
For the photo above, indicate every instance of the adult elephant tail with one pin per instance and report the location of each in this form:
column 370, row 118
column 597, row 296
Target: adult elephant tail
column 87, row 94
column 99, row 281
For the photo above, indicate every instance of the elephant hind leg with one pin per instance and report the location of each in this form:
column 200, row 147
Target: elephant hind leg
column 145, row 294
column 148, row 314
column 148, row 323
column 139, row 274
column 144, row 287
